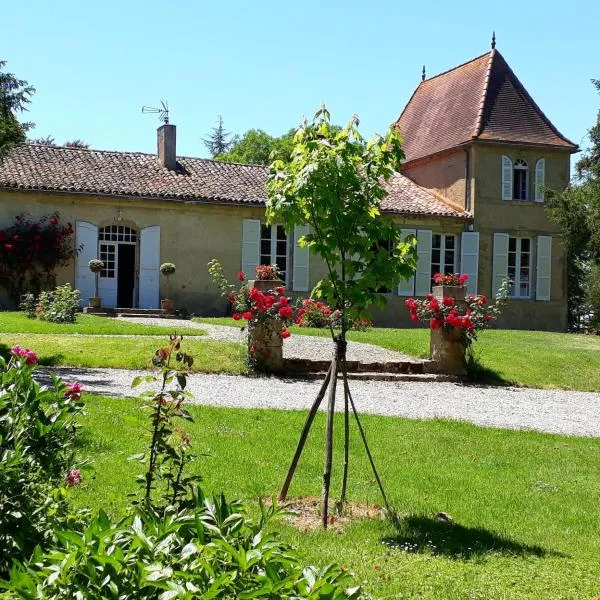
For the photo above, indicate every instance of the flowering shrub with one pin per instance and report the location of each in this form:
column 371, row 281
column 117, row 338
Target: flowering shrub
column 37, row 427
column 59, row 305
column 470, row 316
column 31, row 252
column 266, row 272
column 450, row 278
column 184, row 546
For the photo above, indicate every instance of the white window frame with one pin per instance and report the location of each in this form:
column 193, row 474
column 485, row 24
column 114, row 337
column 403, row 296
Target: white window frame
column 515, row 290
column 443, row 237
column 273, row 253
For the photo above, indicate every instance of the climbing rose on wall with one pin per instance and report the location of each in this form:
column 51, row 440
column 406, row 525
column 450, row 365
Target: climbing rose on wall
column 31, row 252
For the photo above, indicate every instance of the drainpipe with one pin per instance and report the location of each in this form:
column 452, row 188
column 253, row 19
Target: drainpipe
column 468, row 178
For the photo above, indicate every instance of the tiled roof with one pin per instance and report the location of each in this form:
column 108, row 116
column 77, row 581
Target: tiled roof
column 480, row 99
column 136, row 174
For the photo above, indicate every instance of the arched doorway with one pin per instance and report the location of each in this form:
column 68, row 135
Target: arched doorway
column 118, row 250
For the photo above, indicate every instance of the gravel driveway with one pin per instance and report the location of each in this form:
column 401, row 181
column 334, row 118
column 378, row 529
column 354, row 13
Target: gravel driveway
column 296, row 346
column 555, row 411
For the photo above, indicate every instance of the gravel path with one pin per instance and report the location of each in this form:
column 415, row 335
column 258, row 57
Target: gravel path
column 296, row 346
column 554, row 411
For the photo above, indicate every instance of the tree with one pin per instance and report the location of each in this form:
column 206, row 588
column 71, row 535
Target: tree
column 333, row 182
column 577, row 211
column 43, row 141
column 15, row 95
column 77, row 143
column 218, row 141
column 259, row 148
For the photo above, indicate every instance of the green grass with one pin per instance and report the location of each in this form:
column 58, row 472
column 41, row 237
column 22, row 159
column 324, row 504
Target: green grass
column 17, row 322
column 525, row 504
column 539, row 359
column 124, row 352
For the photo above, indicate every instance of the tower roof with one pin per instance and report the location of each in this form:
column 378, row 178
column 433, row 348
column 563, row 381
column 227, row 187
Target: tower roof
column 479, row 100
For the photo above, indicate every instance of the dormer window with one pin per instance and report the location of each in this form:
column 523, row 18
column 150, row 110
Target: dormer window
column 520, row 180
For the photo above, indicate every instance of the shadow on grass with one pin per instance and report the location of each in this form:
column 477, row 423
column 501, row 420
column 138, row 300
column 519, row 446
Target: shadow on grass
column 478, row 373
column 422, row 534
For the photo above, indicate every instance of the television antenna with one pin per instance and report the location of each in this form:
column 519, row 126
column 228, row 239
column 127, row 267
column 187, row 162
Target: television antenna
column 162, row 112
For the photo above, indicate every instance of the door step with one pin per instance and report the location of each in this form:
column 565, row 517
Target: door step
column 131, row 312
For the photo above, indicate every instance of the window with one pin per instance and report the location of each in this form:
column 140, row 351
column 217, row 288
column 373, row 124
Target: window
column 519, row 267
column 107, row 256
column 274, row 248
column 117, row 233
column 443, row 253
column 520, row 180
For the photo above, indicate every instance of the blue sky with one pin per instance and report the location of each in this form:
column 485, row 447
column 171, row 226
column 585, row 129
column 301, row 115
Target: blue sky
column 266, row 64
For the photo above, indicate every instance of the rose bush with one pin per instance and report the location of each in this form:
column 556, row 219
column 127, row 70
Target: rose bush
column 30, row 253
column 470, row 316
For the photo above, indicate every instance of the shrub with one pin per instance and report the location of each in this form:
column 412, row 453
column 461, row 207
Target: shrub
column 30, row 253
column 96, row 265
column 167, row 269
column 28, row 305
column 37, row 426
column 59, row 305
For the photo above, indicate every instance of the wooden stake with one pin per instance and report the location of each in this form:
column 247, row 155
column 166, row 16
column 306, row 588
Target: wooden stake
column 329, row 441
column 346, row 434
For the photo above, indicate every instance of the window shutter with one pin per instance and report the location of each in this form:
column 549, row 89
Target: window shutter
column 469, row 258
column 301, row 261
column 507, row 178
column 544, row 266
column 423, row 275
column 540, row 176
column 149, row 267
column 500, row 262
column 407, row 286
column 250, row 247
column 86, row 235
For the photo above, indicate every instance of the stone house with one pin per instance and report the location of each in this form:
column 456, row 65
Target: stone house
column 478, row 153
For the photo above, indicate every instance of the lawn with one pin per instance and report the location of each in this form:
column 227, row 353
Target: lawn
column 525, row 509
column 539, row 359
column 17, row 322
column 124, row 352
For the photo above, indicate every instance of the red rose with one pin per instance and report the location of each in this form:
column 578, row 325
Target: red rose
column 53, row 221
column 236, row 316
column 410, row 304
column 414, row 317
column 434, row 304
column 285, row 333
column 241, row 276
column 448, row 301
column 463, row 278
column 286, row 312
column 247, row 316
column 436, row 323
column 283, row 301
column 428, row 296
column 280, row 290
column 482, row 299
column 438, row 278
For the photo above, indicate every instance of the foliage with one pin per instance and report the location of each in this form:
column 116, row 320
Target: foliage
column 258, row 147
column 76, row 143
column 251, row 304
column 593, row 296
column 333, row 182
column 50, row 141
column 576, row 211
column 59, row 305
column 218, row 141
column 184, row 545
column 37, row 427
column 472, row 316
column 28, row 305
column 314, row 313
column 96, row 265
column 15, row 95
column 30, row 253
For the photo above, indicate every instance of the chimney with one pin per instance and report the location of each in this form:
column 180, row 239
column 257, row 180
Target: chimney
column 167, row 146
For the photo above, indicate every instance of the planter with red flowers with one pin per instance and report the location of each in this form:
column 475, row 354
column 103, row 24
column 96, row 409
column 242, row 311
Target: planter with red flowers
column 262, row 303
column 454, row 318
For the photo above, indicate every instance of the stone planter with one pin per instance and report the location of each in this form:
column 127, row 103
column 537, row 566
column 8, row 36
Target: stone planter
column 265, row 343
column 167, row 305
column 458, row 292
column 94, row 302
column 447, row 348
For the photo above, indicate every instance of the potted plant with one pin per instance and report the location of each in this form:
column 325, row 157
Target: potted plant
column 267, row 278
column 95, row 265
column 450, row 284
column 167, row 269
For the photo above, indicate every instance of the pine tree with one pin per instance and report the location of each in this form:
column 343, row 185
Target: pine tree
column 218, row 141
column 15, row 95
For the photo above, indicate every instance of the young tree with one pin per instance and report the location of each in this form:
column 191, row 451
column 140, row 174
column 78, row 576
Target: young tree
column 43, row 141
column 77, row 143
column 333, row 182
column 577, row 211
column 218, row 141
column 15, row 95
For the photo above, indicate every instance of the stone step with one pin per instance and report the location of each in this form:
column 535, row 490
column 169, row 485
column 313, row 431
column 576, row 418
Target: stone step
column 300, row 365
column 130, row 312
column 378, row 376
